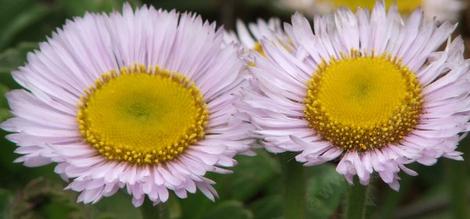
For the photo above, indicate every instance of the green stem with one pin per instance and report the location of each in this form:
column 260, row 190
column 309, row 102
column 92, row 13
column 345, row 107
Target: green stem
column 159, row 211
column 357, row 201
column 456, row 172
column 393, row 199
column 294, row 187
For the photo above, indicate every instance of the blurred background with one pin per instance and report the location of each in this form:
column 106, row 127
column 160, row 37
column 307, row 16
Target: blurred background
column 254, row 191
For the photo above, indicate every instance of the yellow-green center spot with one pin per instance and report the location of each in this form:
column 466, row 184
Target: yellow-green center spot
column 363, row 102
column 404, row 6
column 142, row 116
column 259, row 49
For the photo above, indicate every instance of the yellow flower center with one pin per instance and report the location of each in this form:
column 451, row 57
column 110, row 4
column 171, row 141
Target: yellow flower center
column 404, row 6
column 142, row 116
column 363, row 102
column 259, row 49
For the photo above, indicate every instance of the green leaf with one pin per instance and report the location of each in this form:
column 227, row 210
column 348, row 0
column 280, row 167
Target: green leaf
column 78, row 8
column 249, row 178
column 18, row 15
column 118, row 206
column 4, row 112
column 3, row 90
column 195, row 206
column 11, row 59
column 5, row 200
column 42, row 198
column 389, row 203
column 15, row 176
column 325, row 190
column 269, row 207
column 229, row 210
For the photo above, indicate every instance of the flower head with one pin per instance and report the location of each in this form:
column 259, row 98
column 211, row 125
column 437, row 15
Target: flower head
column 249, row 36
column 140, row 99
column 368, row 88
column 442, row 10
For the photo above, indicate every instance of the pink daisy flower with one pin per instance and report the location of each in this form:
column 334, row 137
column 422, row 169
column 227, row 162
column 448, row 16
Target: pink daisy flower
column 141, row 100
column 369, row 89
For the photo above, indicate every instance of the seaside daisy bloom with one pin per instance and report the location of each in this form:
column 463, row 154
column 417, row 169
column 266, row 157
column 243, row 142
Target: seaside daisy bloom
column 249, row 36
column 442, row 10
column 141, row 100
column 370, row 90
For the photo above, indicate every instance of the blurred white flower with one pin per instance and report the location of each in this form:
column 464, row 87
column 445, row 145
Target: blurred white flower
column 249, row 36
column 442, row 10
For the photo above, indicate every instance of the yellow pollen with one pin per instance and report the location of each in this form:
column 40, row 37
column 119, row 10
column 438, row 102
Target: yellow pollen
column 142, row 116
column 259, row 48
column 404, row 6
column 363, row 102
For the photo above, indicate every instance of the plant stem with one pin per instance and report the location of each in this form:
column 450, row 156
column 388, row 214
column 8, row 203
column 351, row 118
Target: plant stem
column 456, row 172
column 294, row 187
column 392, row 199
column 159, row 211
column 357, row 201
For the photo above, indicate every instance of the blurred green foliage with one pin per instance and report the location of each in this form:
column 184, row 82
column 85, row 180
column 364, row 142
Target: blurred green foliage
column 253, row 191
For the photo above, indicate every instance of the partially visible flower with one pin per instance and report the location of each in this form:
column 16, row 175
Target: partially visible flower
column 308, row 7
column 141, row 100
column 369, row 89
column 442, row 10
column 249, row 36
